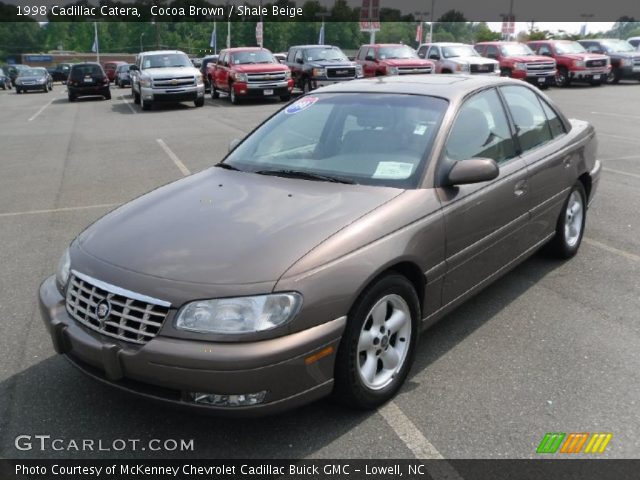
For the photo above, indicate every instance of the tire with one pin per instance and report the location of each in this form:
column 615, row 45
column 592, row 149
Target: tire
column 505, row 72
column 199, row 102
column 595, row 83
column 285, row 98
column 71, row 97
column 366, row 339
column 136, row 97
column 614, row 76
column 45, row 89
column 214, row 92
column 107, row 95
column 567, row 240
column 562, row 77
column 18, row 91
column 232, row 95
column 146, row 106
column 306, row 86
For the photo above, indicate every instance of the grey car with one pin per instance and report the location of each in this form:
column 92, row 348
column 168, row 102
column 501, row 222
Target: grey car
column 34, row 78
column 309, row 260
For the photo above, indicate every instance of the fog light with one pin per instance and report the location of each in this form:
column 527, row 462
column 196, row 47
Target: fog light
column 240, row 400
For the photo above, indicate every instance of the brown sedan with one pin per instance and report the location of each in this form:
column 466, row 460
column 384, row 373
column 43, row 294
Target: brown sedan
column 308, row 261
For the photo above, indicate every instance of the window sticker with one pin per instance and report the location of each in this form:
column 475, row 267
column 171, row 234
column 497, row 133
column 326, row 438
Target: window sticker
column 393, row 170
column 300, row 105
column 421, row 129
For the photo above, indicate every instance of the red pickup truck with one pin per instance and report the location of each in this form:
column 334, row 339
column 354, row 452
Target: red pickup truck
column 574, row 63
column 518, row 61
column 249, row 72
column 391, row 59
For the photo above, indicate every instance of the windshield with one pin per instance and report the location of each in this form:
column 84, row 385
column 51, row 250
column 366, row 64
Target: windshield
column 86, row 70
column 459, row 51
column 516, row 49
column 166, row 60
column 397, row 52
column 569, row 47
column 32, row 72
column 617, row 46
column 253, row 56
column 123, row 68
column 319, row 54
column 371, row 139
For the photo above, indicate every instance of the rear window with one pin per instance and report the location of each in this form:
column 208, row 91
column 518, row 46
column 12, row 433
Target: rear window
column 84, row 70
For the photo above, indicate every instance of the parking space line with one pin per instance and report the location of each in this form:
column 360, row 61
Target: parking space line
column 181, row 166
column 33, row 117
column 128, row 104
column 619, row 137
column 616, row 115
column 415, row 441
column 610, row 249
column 620, row 172
column 58, row 210
column 627, row 157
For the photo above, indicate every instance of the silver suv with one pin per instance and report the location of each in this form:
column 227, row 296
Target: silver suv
column 458, row 58
column 165, row 76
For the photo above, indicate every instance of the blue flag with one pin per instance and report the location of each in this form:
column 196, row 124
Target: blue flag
column 214, row 38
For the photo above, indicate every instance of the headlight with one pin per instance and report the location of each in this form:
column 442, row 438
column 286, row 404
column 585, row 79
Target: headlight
column 145, row 82
column 462, row 67
column 240, row 77
column 520, row 66
column 392, row 70
column 287, row 75
column 359, row 71
column 199, row 79
column 41, row 80
column 64, row 267
column 626, row 62
column 239, row 315
column 578, row 63
column 18, row 81
column 318, row 72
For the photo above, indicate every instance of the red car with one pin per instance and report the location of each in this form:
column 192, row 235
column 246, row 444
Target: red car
column 249, row 72
column 110, row 69
column 391, row 59
column 573, row 62
column 517, row 60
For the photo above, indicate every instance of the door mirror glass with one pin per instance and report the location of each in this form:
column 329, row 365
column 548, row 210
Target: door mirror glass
column 475, row 170
column 434, row 56
column 134, row 68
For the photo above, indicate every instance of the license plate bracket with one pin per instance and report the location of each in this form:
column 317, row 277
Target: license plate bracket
column 268, row 92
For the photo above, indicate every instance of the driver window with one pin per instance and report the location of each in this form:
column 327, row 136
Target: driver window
column 481, row 130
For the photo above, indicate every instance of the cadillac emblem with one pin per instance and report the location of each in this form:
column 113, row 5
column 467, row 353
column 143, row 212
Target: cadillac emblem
column 103, row 309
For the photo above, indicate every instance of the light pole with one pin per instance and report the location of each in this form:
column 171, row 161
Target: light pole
column 433, row 7
column 141, row 35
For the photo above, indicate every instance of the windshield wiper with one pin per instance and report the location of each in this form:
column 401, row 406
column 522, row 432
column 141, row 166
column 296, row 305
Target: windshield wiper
column 227, row 166
column 305, row 176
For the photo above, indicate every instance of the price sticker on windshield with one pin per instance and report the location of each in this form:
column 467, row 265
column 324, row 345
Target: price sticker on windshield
column 300, row 105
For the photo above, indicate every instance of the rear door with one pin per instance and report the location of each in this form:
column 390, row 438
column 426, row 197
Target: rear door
column 484, row 222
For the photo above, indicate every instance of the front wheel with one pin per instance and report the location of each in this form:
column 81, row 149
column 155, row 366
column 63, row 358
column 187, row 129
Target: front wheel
column 233, row 96
column 562, row 77
column 377, row 347
column 614, row 76
column 136, row 97
column 146, row 106
column 570, row 226
column 214, row 91
column 199, row 102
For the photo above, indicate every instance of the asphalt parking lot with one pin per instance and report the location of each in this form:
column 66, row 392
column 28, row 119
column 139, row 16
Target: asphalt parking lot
column 550, row 347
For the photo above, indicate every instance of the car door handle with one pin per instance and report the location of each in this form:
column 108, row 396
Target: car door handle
column 567, row 161
column 521, row 188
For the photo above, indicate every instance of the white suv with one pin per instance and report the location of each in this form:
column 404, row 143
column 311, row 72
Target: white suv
column 458, row 58
column 165, row 76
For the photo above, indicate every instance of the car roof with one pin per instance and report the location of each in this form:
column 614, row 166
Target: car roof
column 83, row 64
column 161, row 52
column 446, row 44
column 450, row 87
column 314, row 46
column 245, row 49
column 498, row 42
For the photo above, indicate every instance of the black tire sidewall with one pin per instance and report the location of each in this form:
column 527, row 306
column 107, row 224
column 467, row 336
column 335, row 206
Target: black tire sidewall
column 349, row 388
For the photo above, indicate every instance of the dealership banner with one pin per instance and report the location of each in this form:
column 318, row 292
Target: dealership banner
column 587, row 469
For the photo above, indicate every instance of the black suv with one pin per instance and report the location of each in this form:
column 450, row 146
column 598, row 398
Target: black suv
column 87, row 79
column 625, row 59
column 314, row 66
column 203, row 69
column 61, row 72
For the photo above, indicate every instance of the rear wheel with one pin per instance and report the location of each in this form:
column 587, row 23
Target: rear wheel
column 562, row 77
column 570, row 226
column 377, row 347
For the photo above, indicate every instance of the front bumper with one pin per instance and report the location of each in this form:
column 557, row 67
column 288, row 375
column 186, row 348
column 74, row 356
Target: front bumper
column 590, row 74
column 595, row 180
column 172, row 95
column 630, row 73
column 168, row 369
column 34, row 86
column 262, row 89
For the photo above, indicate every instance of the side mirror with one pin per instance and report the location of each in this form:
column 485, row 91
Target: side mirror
column 234, row 143
column 370, row 58
column 134, row 68
column 300, row 61
column 434, row 56
column 475, row 170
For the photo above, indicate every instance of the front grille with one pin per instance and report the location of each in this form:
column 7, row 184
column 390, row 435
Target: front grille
column 126, row 315
column 539, row 67
column 341, row 72
column 266, row 77
column 636, row 61
column 596, row 63
column 481, row 67
column 413, row 70
column 174, row 82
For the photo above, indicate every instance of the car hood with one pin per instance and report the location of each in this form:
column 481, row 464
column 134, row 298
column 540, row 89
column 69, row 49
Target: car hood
column 260, row 67
column 227, row 227
column 584, row 56
column 473, row 59
column 406, row 62
column 322, row 64
column 32, row 78
column 530, row 58
column 170, row 72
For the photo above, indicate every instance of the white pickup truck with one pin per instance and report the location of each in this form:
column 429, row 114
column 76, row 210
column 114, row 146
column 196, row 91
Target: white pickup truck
column 165, row 76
